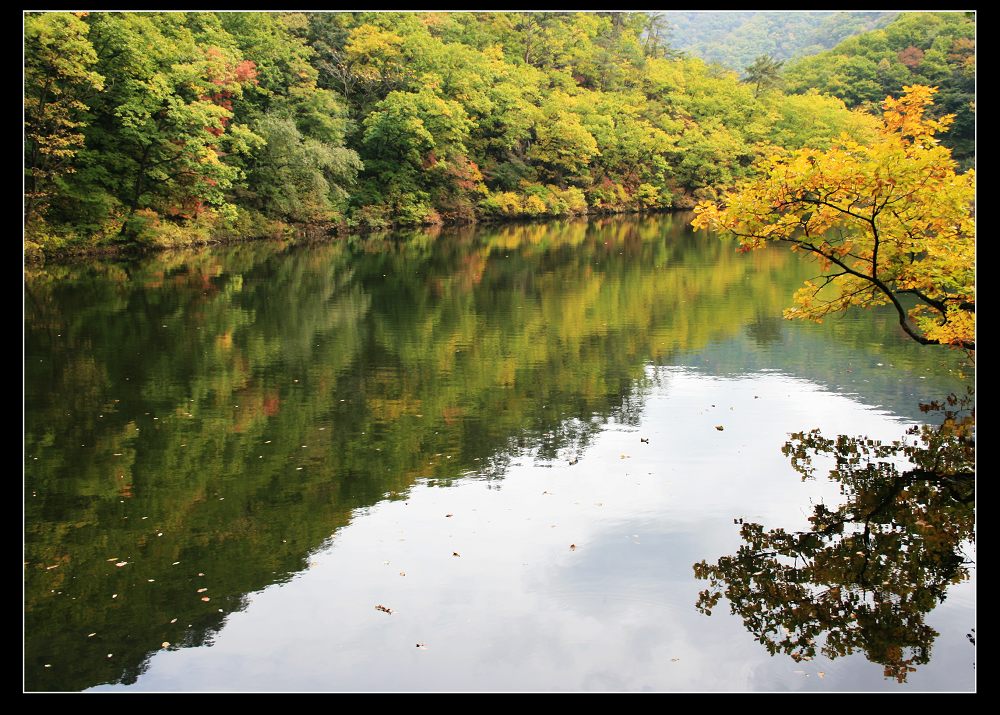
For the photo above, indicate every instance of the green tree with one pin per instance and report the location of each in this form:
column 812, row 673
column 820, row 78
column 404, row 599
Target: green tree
column 765, row 72
column 58, row 77
column 160, row 129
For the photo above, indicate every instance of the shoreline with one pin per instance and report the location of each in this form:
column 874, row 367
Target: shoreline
column 296, row 233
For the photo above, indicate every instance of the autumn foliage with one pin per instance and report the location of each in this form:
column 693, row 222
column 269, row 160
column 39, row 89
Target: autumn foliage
column 889, row 222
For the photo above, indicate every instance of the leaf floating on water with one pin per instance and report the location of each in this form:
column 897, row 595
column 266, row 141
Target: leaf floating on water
column 205, row 598
column 384, row 609
column 719, row 427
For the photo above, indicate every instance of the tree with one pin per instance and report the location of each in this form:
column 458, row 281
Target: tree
column 891, row 222
column 764, row 72
column 57, row 75
column 163, row 124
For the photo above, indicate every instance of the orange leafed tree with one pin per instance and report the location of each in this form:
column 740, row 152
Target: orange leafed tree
column 889, row 222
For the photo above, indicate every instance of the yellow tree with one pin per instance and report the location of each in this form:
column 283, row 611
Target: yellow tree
column 889, row 222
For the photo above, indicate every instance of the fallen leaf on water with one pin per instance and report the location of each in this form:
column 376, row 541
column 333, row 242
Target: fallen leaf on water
column 384, row 609
column 205, row 598
column 202, row 590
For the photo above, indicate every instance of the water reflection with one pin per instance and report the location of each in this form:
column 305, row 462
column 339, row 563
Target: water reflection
column 208, row 419
column 864, row 576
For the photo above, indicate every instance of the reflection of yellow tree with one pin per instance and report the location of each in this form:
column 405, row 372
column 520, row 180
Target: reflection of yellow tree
column 866, row 574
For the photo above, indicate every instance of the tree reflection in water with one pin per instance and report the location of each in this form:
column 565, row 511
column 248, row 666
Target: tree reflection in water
column 864, row 576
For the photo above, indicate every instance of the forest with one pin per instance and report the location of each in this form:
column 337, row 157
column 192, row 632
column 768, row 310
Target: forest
column 166, row 129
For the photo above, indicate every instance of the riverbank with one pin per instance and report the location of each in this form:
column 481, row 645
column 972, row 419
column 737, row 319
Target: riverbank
column 36, row 255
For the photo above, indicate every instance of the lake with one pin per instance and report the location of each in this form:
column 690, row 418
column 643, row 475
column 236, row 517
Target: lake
column 482, row 458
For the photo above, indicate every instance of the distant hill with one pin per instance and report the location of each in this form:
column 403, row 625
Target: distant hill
column 930, row 48
column 735, row 39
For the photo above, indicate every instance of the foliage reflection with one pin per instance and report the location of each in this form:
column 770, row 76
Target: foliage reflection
column 865, row 575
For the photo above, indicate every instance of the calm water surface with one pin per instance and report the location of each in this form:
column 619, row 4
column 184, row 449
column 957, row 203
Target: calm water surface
column 232, row 457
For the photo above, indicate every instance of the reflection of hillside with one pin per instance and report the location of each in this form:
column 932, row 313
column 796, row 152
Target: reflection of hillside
column 847, row 364
column 246, row 401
